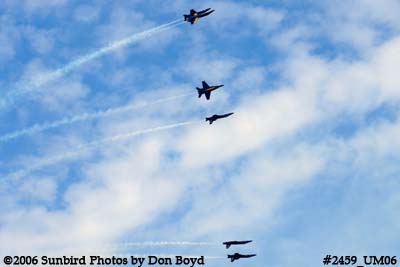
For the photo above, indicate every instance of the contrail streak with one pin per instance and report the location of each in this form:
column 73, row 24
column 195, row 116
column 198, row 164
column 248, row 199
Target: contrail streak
column 116, row 138
column 92, row 145
column 158, row 244
column 35, row 85
column 83, row 117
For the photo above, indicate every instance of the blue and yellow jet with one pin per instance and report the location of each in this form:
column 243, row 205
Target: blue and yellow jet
column 194, row 16
column 206, row 90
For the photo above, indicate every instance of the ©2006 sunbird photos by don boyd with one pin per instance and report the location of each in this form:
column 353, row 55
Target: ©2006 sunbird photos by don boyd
column 129, row 260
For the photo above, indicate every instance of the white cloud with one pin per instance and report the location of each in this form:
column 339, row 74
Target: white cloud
column 253, row 193
column 86, row 13
column 229, row 18
column 217, row 68
column 39, row 6
column 251, row 78
column 9, row 37
column 261, row 119
column 42, row 41
column 42, row 190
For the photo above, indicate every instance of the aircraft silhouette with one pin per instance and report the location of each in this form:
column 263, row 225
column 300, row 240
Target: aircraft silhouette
column 194, row 16
column 217, row 117
column 230, row 243
column 237, row 256
column 207, row 89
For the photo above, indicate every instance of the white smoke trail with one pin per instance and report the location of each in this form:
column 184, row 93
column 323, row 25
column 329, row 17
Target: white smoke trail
column 35, row 85
column 158, row 244
column 83, row 117
column 127, row 245
column 92, row 145
column 116, row 138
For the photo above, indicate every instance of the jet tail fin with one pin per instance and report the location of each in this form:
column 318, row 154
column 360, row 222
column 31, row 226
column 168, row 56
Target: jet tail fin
column 199, row 91
column 228, row 246
column 185, row 17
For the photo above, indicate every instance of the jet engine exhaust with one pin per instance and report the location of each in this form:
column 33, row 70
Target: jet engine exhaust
column 36, row 84
column 83, row 117
column 156, row 244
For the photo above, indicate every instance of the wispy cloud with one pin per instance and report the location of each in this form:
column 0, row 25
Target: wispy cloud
column 92, row 145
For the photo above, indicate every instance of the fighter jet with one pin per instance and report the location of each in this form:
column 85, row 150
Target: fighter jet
column 230, row 243
column 217, row 117
column 207, row 89
column 194, row 16
column 237, row 256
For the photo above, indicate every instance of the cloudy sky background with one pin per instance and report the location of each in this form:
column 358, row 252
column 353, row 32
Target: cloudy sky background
column 307, row 166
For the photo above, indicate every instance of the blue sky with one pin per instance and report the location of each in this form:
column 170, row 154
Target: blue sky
column 307, row 166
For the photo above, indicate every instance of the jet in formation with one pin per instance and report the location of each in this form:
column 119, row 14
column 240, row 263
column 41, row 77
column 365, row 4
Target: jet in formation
column 206, row 90
column 237, row 256
column 194, row 16
column 217, row 117
column 230, row 243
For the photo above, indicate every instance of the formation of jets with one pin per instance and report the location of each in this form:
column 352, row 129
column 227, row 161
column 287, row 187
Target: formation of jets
column 238, row 256
column 206, row 90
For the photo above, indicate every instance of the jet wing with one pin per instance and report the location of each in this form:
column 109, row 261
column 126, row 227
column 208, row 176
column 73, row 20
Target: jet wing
column 226, row 115
column 204, row 11
column 205, row 85
column 193, row 12
column 208, row 95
